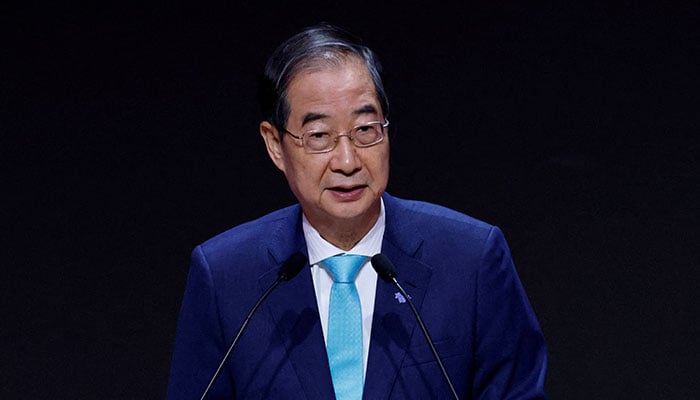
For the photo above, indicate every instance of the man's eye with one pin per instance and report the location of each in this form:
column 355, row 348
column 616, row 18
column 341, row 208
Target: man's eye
column 318, row 135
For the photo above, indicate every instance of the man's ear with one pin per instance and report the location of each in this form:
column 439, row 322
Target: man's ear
column 273, row 143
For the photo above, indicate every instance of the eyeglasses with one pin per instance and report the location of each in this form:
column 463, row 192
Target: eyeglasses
column 364, row 135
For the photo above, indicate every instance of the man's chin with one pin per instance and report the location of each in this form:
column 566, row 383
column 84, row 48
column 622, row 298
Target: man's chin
column 354, row 211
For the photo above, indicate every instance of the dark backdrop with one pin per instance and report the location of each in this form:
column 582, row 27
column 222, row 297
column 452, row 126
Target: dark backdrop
column 129, row 135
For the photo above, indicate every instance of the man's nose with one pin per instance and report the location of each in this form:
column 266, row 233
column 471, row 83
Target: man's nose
column 345, row 157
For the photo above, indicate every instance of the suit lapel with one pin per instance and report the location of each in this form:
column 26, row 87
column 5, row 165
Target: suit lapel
column 294, row 310
column 394, row 323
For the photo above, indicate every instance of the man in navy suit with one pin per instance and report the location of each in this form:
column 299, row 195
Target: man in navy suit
column 326, row 129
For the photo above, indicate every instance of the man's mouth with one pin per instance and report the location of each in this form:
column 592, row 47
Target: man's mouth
column 346, row 189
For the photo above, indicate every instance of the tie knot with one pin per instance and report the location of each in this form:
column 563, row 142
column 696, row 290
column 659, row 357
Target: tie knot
column 344, row 267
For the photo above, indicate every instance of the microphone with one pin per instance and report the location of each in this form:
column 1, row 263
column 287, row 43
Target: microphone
column 385, row 270
column 289, row 269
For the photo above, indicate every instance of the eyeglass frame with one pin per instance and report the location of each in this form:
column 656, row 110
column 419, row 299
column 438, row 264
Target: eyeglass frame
column 338, row 135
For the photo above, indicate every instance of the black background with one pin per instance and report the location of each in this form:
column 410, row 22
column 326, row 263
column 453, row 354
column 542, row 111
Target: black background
column 129, row 135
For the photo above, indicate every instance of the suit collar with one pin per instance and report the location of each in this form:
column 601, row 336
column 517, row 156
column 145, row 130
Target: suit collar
column 288, row 237
column 401, row 231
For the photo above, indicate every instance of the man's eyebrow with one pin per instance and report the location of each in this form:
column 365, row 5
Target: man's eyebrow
column 310, row 117
column 366, row 109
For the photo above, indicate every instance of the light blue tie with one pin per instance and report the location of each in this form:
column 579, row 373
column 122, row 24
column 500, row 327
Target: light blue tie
column 344, row 342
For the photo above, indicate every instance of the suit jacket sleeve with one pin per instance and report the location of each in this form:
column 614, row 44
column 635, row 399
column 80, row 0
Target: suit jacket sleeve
column 199, row 343
column 510, row 355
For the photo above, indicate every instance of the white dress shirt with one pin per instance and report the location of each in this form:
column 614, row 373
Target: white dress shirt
column 366, row 281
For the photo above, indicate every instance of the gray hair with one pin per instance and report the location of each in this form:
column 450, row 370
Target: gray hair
column 320, row 44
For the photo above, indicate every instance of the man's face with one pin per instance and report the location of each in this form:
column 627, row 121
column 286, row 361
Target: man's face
column 344, row 185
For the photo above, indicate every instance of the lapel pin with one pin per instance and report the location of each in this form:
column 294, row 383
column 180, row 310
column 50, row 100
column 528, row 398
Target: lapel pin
column 399, row 297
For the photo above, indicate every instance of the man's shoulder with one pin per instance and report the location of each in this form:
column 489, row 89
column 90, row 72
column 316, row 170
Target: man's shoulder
column 439, row 230
column 428, row 215
column 256, row 231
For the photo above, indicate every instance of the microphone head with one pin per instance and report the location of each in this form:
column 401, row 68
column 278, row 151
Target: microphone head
column 384, row 267
column 292, row 266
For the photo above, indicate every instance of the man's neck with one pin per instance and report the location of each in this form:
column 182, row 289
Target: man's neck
column 345, row 234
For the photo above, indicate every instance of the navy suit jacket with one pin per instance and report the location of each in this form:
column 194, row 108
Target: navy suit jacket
column 457, row 270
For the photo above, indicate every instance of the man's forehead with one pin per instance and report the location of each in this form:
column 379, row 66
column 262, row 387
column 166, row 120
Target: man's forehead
column 340, row 91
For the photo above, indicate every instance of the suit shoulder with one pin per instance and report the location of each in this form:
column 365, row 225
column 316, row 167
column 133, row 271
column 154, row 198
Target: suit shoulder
column 252, row 233
column 428, row 216
column 440, row 228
